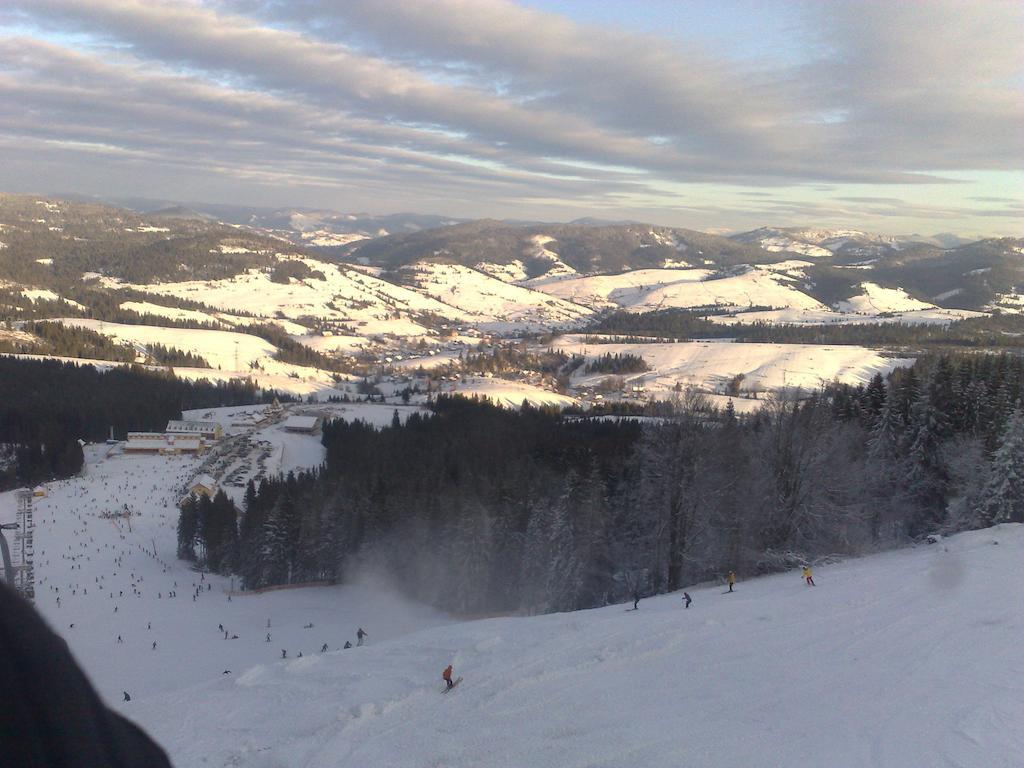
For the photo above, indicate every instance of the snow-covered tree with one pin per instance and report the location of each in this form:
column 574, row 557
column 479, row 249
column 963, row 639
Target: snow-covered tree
column 1003, row 498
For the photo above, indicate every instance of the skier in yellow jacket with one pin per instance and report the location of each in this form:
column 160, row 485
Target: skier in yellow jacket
column 808, row 577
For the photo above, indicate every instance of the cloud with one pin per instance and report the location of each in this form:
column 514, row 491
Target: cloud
column 468, row 101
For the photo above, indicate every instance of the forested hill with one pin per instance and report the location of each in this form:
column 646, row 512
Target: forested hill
column 583, row 248
column 53, row 243
column 483, row 509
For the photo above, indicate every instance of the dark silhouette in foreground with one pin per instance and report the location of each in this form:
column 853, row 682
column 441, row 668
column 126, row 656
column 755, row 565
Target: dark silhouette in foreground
column 52, row 716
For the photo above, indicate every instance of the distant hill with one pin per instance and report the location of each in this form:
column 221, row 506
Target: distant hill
column 179, row 212
column 562, row 248
column 53, row 243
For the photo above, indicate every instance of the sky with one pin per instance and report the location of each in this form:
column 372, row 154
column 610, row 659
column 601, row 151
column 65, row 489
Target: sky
column 894, row 117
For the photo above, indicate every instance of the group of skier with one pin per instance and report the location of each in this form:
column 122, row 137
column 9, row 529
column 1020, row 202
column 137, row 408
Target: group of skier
column 361, row 635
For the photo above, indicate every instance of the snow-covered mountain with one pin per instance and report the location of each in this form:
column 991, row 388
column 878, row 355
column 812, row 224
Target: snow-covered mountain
column 168, row 278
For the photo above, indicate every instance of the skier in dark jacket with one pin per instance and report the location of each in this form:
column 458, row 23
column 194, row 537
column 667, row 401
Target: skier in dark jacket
column 52, row 716
column 360, row 635
column 687, row 599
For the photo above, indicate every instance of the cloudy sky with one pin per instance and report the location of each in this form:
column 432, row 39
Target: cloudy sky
column 892, row 116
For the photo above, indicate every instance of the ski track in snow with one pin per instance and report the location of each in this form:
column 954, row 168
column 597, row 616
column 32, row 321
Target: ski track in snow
column 908, row 658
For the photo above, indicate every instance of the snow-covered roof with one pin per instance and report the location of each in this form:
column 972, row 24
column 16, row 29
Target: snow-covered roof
column 204, row 480
column 302, row 422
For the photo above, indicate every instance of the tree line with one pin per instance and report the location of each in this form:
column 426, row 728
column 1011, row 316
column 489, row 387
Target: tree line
column 672, row 325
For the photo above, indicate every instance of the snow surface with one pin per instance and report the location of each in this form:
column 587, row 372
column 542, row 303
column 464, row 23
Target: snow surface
column 508, row 393
column 875, row 299
column 44, row 294
column 932, row 316
column 710, row 364
column 368, row 304
column 492, row 304
column 542, row 252
column 644, row 290
column 783, row 243
column 512, row 272
column 219, row 348
column 324, row 238
column 902, row 660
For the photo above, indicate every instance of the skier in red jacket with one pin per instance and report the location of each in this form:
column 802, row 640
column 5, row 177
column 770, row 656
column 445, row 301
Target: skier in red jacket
column 447, row 675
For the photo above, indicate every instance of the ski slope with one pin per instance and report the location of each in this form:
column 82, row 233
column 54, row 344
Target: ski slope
column 903, row 659
column 908, row 659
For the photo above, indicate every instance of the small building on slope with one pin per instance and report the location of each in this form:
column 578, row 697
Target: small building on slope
column 203, row 485
column 307, row 425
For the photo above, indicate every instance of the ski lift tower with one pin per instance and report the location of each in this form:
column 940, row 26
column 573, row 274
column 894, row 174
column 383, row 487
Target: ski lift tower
column 24, row 575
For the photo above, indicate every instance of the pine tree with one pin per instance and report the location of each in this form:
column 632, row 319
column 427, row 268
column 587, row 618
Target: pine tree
column 883, row 444
column 1003, row 497
column 188, row 525
column 565, row 571
column 875, row 396
column 276, row 566
column 536, row 557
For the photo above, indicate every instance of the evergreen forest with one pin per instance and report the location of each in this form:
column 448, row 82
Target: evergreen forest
column 477, row 509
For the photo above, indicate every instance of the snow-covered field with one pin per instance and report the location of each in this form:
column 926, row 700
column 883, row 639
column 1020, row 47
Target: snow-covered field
column 508, row 393
column 710, row 364
column 221, row 349
column 930, row 315
column 493, row 304
column 899, row 660
column 644, row 290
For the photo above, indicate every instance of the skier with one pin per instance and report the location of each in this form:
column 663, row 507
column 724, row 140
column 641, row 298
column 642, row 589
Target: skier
column 636, row 599
column 808, row 576
column 284, row 654
column 268, row 637
column 447, row 677
column 154, row 645
column 324, row 649
column 348, row 644
column 687, row 599
column 360, row 635
column 126, row 696
column 731, row 578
